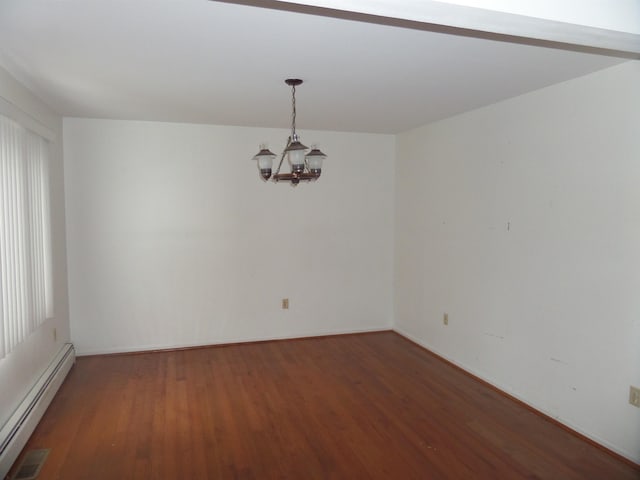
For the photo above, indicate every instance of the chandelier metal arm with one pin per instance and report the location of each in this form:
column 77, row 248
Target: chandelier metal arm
column 284, row 152
column 295, row 177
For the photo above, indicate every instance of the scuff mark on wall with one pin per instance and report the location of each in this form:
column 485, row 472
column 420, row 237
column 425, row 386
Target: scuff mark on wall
column 494, row 336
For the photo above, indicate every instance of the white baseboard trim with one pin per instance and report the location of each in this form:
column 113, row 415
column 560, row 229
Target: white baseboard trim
column 515, row 395
column 224, row 341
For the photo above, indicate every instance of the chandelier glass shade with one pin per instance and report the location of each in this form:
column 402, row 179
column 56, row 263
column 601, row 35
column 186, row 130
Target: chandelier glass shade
column 304, row 166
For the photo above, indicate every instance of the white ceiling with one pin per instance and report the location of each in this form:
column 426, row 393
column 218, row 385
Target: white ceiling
column 203, row 61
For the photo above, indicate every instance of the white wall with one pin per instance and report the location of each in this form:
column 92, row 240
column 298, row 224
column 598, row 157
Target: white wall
column 174, row 239
column 522, row 221
column 20, row 369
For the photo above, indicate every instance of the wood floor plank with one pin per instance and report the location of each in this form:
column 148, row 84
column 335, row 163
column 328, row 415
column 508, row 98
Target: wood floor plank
column 343, row 407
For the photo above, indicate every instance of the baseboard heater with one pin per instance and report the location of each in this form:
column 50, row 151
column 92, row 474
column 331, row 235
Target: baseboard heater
column 17, row 430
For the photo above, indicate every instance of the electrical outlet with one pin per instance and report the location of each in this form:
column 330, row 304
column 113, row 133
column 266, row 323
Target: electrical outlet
column 634, row 396
column 285, row 303
column 445, row 319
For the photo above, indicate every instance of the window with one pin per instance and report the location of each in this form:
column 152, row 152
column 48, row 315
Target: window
column 26, row 298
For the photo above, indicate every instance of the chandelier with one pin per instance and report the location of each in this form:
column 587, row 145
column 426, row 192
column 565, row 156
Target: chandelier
column 303, row 167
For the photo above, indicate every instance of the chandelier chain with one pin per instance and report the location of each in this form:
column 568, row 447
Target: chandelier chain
column 293, row 110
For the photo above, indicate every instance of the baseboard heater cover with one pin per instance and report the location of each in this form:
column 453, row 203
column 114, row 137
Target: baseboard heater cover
column 17, row 430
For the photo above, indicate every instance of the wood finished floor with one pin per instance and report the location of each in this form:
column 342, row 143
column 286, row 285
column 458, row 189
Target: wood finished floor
column 345, row 407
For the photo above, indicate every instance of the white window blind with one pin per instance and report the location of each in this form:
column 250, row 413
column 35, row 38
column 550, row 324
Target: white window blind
column 26, row 298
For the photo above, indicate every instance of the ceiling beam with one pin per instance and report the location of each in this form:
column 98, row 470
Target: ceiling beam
column 481, row 22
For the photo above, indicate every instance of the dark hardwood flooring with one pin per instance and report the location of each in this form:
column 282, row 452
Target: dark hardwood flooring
column 342, row 407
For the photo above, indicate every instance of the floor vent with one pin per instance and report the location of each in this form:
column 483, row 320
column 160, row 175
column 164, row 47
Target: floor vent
column 31, row 464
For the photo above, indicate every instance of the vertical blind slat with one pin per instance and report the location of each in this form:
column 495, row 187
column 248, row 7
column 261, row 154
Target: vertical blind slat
column 25, row 244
